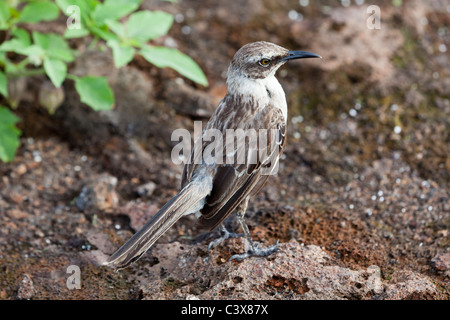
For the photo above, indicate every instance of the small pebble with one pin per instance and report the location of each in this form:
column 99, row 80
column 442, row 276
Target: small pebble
column 26, row 288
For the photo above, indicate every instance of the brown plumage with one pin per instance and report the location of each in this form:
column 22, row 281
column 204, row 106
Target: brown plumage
column 213, row 189
column 234, row 182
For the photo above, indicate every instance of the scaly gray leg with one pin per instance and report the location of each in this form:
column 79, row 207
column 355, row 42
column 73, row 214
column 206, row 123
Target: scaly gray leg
column 254, row 249
column 224, row 235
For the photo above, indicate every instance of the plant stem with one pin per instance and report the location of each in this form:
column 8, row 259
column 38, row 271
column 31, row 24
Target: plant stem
column 71, row 77
column 93, row 44
column 22, row 64
column 26, row 73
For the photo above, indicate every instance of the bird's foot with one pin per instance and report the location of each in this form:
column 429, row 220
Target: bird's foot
column 224, row 235
column 256, row 251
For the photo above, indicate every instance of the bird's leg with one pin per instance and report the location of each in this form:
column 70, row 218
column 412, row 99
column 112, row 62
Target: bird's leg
column 244, row 227
column 254, row 249
column 224, row 235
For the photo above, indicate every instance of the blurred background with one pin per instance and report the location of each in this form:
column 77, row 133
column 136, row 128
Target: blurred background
column 365, row 174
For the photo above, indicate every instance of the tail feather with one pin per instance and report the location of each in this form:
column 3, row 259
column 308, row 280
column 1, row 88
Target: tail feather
column 189, row 200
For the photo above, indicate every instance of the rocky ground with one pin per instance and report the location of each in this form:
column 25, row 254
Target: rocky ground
column 361, row 204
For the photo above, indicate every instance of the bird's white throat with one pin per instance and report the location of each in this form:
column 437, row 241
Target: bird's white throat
column 265, row 92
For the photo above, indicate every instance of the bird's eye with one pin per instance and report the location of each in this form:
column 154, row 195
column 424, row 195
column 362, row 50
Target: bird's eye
column 264, row 62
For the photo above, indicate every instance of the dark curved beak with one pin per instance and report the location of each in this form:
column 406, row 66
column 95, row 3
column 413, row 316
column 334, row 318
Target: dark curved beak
column 300, row 55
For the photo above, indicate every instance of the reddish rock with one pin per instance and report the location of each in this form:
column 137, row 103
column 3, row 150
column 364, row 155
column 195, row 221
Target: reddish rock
column 441, row 262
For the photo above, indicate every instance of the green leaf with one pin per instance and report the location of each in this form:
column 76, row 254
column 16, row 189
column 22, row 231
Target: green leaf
column 136, row 3
column 104, row 34
column 122, row 53
column 78, row 9
column 4, row 15
column 34, row 53
column 20, row 40
column 3, row 85
column 22, row 35
column 114, row 9
column 54, row 45
column 37, row 11
column 173, row 58
column 146, row 25
column 76, row 33
column 95, row 92
column 3, row 59
column 64, row 4
column 56, row 70
column 86, row 6
column 9, row 135
column 116, row 27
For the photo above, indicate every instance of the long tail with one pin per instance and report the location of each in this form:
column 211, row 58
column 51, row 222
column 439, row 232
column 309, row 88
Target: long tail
column 189, row 200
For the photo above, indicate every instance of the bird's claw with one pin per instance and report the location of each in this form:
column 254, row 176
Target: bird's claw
column 256, row 251
column 225, row 234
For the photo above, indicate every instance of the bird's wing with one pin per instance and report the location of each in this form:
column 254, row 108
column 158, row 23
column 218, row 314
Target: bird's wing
column 234, row 181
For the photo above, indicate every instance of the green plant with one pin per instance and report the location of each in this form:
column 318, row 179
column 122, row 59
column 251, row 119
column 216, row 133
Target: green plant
column 115, row 22
column 9, row 134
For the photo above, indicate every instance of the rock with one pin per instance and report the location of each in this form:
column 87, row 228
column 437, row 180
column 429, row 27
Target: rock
column 16, row 214
column 99, row 194
column 441, row 262
column 133, row 89
column 100, row 240
column 357, row 45
column 95, row 257
column 26, row 287
column 139, row 213
column 294, row 272
column 146, row 190
column 21, row 169
column 408, row 285
column 189, row 101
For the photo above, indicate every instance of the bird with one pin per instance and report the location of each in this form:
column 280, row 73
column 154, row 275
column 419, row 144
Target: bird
column 213, row 190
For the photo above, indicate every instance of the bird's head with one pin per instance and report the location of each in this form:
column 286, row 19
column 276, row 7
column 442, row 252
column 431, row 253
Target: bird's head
column 259, row 60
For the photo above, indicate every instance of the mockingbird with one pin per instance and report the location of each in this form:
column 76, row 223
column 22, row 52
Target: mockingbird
column 214, row 190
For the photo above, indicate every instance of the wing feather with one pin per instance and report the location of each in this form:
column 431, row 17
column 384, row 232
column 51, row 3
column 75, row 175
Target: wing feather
column 233, row 182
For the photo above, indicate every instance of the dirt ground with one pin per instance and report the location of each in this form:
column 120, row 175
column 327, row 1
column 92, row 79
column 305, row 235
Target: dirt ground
column 363, row 184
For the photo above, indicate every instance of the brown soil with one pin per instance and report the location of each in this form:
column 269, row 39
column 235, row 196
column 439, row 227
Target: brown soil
column 348, row 183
